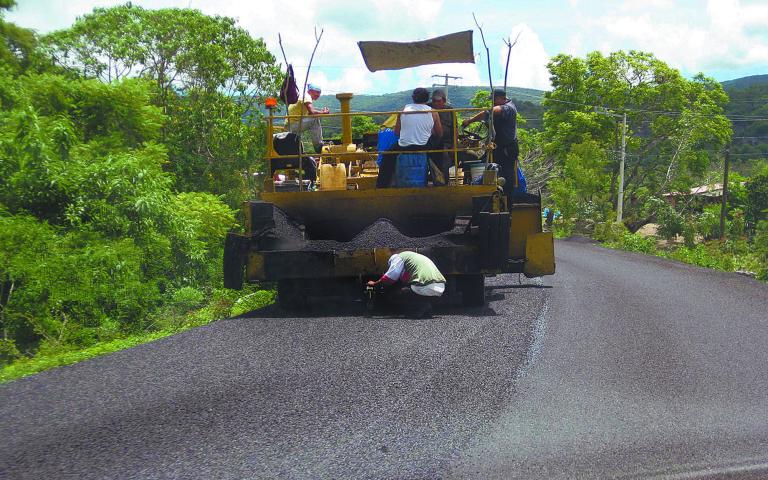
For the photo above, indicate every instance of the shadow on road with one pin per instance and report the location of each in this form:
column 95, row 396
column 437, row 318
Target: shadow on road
column 358, row 310
column 516, row 285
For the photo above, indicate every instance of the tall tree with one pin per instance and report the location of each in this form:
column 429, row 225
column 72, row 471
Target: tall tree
column 209, row 74
column 17, row 44
column 676, row 126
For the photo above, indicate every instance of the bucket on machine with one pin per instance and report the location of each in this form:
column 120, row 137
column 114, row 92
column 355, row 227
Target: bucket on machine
column 411, row 170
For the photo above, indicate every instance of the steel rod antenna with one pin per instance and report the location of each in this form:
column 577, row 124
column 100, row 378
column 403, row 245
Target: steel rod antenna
column 491, row 132
column 509, row 53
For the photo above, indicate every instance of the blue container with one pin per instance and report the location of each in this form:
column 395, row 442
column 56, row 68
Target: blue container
column 387, row 138
column 521, row 184
column 411, row 170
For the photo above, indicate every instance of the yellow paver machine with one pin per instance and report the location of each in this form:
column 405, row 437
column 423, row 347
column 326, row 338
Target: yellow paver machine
column 324, row 239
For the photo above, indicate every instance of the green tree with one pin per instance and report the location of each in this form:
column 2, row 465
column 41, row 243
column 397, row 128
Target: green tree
column 363, row 124
column 92, row 231
column 674, row 125
column 581, row 193
column 757, row 198
column 17, row 44
column 209, row 77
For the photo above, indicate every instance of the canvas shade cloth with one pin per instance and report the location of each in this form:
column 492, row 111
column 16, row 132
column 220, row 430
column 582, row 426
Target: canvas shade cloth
column 451, row 48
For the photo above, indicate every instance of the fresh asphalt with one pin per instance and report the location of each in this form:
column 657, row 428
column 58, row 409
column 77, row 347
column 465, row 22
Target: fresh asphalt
column 620, row 365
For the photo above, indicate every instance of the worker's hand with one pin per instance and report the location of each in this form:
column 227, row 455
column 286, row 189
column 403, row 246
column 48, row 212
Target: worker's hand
column 371, row 283
column 325, row 110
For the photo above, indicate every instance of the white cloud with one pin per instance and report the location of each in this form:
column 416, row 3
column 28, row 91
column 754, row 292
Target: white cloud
column 528, row 60
column 727, row 38
column 720, row 35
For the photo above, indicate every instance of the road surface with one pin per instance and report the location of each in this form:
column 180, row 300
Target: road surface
column 620, row 365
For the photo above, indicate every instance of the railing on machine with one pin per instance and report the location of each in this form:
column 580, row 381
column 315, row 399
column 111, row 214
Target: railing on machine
column 347, row 116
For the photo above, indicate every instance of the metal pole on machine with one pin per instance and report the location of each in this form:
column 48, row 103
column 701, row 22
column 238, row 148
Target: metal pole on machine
column 506, row 71
column 491, row 132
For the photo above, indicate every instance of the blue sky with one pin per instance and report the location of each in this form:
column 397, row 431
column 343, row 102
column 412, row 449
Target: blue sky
column 725, row 39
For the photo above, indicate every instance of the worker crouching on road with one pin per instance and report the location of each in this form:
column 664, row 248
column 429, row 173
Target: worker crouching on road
column 409, row 282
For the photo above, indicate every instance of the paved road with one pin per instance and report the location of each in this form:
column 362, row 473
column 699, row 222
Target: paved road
column 619, row 365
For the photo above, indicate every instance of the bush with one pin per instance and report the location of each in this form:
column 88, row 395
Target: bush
column 708, row 223
column 737, row 225
column 8, row 351
column 761, row 249
column 689, row 232
column 703, row 256
column 671, row 222
column 186, row 299
column 633, row 242
column 757, row 198
column 252, row 301
column 609, row 232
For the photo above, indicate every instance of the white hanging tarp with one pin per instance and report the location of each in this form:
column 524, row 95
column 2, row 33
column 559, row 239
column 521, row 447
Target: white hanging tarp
column 451, row 48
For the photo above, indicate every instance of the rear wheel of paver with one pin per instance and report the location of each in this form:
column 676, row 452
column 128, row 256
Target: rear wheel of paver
column 290, row 295
column 472, row 288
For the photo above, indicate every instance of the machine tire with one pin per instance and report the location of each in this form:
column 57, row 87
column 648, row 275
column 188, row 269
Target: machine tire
column 234, row 265
column 472, row 288
column 290, row 296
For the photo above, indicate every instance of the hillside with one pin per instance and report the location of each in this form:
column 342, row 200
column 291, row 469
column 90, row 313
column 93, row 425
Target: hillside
column 748, row 95
column 748, row 100
column 527, row 100
column 744, row 82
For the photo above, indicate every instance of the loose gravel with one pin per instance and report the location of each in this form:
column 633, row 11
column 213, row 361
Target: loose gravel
column 380, row 234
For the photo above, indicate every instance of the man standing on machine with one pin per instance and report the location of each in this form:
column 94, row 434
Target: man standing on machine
column 505, row 126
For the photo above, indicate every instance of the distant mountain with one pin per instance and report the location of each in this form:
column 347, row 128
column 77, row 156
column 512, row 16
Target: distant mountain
column 458, row 96
column 748, row 107
column 527, row 100
column 745, row 82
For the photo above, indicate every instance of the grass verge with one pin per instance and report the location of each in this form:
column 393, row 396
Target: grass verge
column 726, row 256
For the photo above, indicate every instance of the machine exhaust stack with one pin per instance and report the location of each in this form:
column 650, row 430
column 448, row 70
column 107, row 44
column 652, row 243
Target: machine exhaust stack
column 346, row 121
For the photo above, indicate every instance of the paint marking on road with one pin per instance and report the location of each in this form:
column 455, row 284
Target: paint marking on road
column 539, row 332
column 756, row 467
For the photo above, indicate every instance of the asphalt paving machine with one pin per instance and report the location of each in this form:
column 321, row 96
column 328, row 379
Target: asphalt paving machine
column 325, row 239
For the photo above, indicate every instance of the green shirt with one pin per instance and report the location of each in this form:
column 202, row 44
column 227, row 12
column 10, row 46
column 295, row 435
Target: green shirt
column 421, row 270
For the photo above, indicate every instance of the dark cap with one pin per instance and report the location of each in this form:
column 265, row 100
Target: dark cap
column 438, row 93
column 499, row 92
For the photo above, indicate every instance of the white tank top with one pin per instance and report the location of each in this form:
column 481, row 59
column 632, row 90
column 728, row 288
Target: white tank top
column 415, row 129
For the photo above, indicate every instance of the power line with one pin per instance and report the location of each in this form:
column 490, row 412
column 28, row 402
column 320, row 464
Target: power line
column 733, row 117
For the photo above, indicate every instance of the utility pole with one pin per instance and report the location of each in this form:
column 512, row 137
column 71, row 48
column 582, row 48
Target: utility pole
column 724, row 204
column 446, row 77
column 620, row 201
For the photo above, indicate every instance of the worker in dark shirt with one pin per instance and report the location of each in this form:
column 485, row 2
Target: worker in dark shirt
column 505, row 126
column 447, row 119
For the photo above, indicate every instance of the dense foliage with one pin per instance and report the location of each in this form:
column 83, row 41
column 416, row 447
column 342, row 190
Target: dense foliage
column 124, row 145
column 208, row 75
column 675, row 127
column 678, row 131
